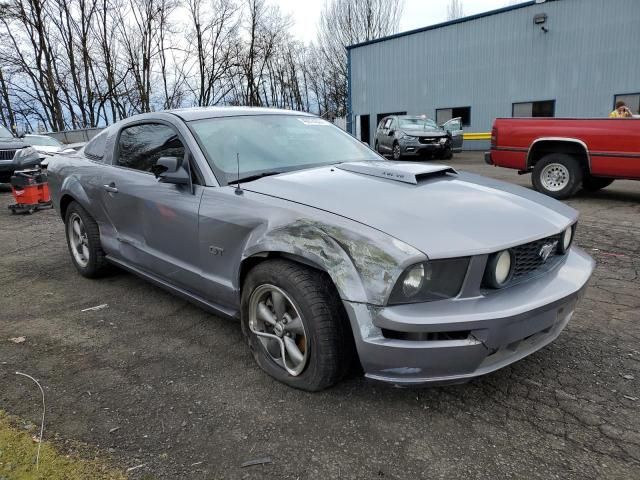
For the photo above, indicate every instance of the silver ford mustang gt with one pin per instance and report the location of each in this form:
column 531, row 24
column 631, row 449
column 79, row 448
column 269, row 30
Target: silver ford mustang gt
column 327, row 253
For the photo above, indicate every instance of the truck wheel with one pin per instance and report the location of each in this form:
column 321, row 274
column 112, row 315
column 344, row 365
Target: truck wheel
column 593, row 184
column 397, row 151
column 295, row 326
column 558, row 175
column 83, row 240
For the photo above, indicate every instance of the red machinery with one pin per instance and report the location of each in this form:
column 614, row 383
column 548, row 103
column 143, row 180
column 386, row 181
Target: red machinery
column 30, row 190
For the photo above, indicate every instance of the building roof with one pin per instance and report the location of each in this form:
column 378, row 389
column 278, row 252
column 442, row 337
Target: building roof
column 449, row 23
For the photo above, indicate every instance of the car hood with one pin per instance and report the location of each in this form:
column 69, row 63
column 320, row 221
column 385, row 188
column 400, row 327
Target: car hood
column 11, row 144
column 47, row 148
column 420, row 132
column 432, row 208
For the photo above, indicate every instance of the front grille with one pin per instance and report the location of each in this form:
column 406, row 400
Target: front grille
column 528, row 258
column 429, row 140
column 7, row 154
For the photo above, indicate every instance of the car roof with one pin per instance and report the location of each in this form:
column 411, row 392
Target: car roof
column 200, row 113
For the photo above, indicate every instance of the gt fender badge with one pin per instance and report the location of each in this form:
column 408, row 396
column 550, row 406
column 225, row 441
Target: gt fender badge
column 216, row 250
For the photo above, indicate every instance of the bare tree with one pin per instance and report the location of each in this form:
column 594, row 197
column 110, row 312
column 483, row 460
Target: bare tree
column 455, row 10
column 347, row 22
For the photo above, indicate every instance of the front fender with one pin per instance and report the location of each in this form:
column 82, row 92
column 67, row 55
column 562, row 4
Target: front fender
column 363, row 266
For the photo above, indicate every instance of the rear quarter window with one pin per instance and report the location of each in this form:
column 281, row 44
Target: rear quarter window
column 96, row 147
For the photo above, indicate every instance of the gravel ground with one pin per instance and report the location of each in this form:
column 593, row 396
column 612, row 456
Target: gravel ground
column 154, row 381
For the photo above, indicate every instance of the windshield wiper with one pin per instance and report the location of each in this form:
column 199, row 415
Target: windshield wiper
column 250, row 178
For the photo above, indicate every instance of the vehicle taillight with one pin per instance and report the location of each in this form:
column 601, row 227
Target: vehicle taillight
column 494, row 137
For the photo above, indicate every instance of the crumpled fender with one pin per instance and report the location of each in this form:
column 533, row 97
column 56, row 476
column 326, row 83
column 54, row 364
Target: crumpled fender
column 364, row 269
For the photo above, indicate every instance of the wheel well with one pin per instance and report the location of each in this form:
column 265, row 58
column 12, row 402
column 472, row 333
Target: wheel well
column 543, row 148
column 251, row 262
column 64, row 204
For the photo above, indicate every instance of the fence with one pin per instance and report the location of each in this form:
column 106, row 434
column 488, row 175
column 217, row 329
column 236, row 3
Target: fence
column 75, row 136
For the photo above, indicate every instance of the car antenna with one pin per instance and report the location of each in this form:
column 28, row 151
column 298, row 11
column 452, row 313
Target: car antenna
column 238, row 189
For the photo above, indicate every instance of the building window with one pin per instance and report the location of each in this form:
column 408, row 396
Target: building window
column 631, row 100
column 546, row 108
column 443, row 115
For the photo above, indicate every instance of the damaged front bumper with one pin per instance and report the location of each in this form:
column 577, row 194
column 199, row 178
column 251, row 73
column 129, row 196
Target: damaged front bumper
column 452, row 341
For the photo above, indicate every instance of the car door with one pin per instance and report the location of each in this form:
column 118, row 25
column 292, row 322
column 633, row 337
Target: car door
column 454, row 127
column 387, row 135
column 155, row 223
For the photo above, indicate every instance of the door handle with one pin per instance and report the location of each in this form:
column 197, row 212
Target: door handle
column 111, row 188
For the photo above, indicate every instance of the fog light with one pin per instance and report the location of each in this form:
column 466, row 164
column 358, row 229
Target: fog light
column 567, row 238
column 499, row 269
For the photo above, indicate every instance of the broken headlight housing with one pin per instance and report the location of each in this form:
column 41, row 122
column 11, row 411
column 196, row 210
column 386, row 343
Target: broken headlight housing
column 430, row 281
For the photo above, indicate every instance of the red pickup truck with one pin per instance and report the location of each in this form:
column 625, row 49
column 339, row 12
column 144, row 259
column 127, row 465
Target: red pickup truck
column 566, row 154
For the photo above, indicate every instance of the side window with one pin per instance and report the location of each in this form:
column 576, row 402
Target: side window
column 140, row 146
column 387, row 123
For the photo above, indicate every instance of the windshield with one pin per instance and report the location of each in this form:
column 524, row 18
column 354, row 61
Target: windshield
column 42, row 141
column 4, row 133
column 274, row 143
column 425, row 123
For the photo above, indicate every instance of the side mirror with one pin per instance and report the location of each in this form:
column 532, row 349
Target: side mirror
column 170, row 170
column 392, row 133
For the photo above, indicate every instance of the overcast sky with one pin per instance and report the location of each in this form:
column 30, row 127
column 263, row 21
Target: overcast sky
column 416, row 14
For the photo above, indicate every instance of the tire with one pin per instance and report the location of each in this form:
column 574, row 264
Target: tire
column 446, row 155
column 557, row 175
column 84, row 242
column 593, row 184
column 325, row 340
column 396, row 153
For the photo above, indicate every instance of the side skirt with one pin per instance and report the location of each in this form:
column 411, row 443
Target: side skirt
column 184, row 294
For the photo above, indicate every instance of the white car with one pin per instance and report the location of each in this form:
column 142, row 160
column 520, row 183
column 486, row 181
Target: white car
column 44, row 144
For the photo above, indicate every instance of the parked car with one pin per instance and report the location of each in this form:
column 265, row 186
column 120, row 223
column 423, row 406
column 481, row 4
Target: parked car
column 44, row 144
column 414, row 136
column 14, row 155
column 567, row 154
column 322, row 249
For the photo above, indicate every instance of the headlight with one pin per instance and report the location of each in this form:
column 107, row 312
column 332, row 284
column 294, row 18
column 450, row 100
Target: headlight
column 402, row 135
column 430, row 281
column 499, row 269
column 443, row 140
column 566, row 240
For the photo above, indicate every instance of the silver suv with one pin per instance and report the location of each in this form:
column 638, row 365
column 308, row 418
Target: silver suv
column 404, row 135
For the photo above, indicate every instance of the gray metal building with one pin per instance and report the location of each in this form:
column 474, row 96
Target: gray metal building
column 562, row 58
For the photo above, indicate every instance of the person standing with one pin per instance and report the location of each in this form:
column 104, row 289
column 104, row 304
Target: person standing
column 621, row 111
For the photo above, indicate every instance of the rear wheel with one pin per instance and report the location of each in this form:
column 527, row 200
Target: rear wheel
column 295, row 325
column 83, row 240
column 558, row 175
column 397, row 151
column 593, row 184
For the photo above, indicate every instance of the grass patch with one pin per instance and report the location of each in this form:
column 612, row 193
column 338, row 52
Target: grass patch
column 18, row 458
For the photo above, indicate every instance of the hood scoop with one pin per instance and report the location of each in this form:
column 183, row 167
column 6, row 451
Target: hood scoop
column 400, row 172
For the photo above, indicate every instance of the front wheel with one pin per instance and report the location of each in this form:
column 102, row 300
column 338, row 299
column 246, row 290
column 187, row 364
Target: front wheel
column 447, row 154
column 593, row 184
column 295, row 325
column 397, row 151
column 558, row 175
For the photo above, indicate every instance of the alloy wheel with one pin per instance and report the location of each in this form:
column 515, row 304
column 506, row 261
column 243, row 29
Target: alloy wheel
column 396, row 152
column 78, row 239
column 275, row 320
